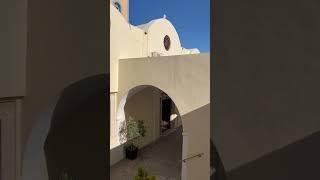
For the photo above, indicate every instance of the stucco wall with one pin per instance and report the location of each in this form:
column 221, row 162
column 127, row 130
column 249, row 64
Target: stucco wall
column 156, row 30
column 76, row 142
column 176, row 74
column 196, row 140
column 125, row 41
column 145, row 105
column 13, row 43
column 66, row 43
column 266, row 76
column 62, row 110
column 128, row 41
column 186, row 80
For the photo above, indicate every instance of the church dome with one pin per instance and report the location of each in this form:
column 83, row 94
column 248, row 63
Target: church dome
column 162, row 37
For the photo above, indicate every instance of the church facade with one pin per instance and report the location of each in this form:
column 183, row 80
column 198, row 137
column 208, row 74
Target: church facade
column 149, row 62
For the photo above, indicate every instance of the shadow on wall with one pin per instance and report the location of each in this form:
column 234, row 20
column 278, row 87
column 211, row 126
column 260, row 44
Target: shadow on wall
column 266, row 93
column 78, row 138
column 218, row 171
column 299, row 160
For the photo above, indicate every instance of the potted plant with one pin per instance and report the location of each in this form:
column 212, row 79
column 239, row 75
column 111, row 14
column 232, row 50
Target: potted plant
column 143, row 175
column 131, row 130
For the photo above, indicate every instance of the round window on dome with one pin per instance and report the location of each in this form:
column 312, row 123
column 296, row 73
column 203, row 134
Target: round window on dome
column 167, row 42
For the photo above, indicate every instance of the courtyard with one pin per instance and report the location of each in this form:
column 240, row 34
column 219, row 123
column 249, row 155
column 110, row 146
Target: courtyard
column 161, row 158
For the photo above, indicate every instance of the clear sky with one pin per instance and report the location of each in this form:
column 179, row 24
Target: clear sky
column 191, row 18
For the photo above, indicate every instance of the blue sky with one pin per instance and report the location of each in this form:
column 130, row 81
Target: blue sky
column 191, row 18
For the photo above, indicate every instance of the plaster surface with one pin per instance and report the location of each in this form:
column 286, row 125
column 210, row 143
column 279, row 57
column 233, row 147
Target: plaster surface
column 185, row 79
column 266, row 77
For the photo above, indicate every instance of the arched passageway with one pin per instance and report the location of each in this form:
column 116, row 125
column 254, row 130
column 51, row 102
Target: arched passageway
column 162, row 147
column 186, row 80
column 152, row 104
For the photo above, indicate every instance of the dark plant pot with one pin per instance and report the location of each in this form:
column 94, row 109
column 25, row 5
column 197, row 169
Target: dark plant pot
column 131, row 153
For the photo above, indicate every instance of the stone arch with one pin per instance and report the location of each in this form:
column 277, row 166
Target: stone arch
column 34, row 166
column 121, row 115
column 186, row 80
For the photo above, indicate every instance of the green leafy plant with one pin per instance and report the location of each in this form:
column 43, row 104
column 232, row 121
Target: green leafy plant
column 131, row 130
column 142, row 174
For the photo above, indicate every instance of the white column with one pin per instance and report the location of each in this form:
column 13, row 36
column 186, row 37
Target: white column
column 113, row 124
column 120, row 116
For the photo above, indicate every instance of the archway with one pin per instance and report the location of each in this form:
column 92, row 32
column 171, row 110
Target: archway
column 186, row 80
column 47, row 157
column 164, row 131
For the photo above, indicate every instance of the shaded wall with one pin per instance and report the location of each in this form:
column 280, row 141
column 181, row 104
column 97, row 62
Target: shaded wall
column 141, row 106
column 77, row 143
column 266, row 76
column 299, row 160
column 145, row 105
column 13, row 45
column 73, row 129
column 66, row 43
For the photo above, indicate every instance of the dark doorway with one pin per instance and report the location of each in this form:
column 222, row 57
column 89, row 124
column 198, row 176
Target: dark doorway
column 166, row 112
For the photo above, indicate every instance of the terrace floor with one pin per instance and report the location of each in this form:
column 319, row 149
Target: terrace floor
column 161, row 159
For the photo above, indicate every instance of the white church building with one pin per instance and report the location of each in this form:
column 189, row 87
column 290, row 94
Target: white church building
column 150, row 56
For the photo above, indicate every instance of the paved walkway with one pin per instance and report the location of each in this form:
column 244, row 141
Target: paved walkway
column 161, row 159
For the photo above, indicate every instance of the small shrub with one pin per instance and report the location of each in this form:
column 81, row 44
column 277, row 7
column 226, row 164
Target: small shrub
column 131, row 130
column 142, row 174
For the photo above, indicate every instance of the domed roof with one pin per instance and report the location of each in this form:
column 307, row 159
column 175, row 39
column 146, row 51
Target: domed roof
column 145, row 27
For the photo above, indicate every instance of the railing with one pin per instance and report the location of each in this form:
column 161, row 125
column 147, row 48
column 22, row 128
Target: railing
column 194, row 156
